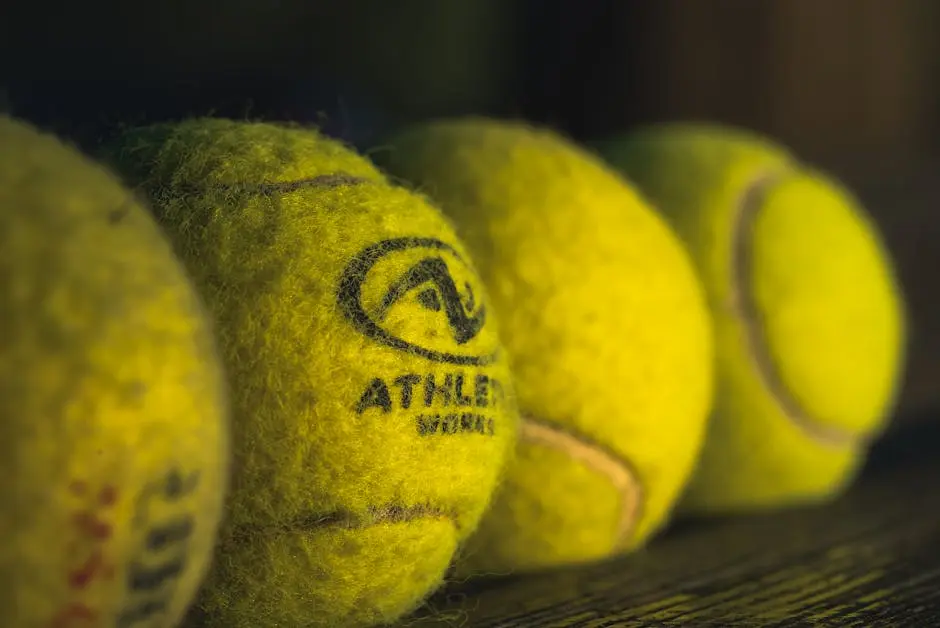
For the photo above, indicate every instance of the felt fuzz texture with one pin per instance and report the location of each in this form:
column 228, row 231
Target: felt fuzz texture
column 372, row 405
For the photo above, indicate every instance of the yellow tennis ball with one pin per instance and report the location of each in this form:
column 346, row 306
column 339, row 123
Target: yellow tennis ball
column 605, row 325
column 113, row 419
column 808, row 317
column 372, row 405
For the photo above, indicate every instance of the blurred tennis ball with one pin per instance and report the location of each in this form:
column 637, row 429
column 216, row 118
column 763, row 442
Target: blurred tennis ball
column 606, row 328
column 113, row 412
column 809, row 320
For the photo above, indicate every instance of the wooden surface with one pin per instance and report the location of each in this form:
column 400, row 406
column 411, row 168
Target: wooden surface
column 870, row 558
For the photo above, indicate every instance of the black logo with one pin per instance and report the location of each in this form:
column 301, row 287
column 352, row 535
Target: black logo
column 378, row 297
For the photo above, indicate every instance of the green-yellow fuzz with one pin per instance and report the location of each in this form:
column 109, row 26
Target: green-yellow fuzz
column 113, row 411
column 361, row 463
column 808, row 317
column 605, row 325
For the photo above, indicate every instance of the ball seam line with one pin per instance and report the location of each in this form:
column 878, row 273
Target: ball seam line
column 746, row 311
column 348, row 520
column 326, row 181
column 595, row 456
column 331, row 181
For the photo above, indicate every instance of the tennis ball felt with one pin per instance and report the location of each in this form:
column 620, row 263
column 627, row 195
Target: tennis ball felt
column 113, row 412
column 808, row 318
column 372, row 404
column 606, row 328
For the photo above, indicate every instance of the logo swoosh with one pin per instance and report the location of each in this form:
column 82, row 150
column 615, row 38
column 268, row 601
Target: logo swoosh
column 464, row 326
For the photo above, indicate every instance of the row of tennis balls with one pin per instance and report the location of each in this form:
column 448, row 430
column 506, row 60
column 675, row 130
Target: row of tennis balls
column 142, row 358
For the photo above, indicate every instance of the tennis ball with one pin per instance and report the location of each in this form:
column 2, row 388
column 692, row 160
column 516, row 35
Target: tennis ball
column 808, row 318
column 113, row 411
column 606, row 328
column 372, row 403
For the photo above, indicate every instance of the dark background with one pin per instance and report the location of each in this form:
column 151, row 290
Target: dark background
column 851, row 85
